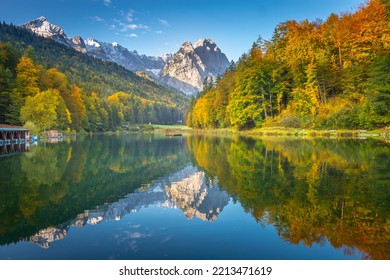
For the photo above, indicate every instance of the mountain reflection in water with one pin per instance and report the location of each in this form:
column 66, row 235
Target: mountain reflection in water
column 197, row 197
column 187, row 189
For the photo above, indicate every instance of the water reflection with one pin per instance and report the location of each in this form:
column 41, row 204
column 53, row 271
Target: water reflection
column 187, row 189
column 195, row 195
column 55, row 182
column 312, row 193
column 13, row 149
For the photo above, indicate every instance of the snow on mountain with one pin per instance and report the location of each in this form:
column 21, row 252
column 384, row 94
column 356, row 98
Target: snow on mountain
column 42, row 27
column 183, row 71
column 122, row 56
column 91, row 44
column 105, row 51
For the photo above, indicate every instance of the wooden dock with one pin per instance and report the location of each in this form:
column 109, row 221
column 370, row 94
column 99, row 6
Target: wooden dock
column 12, row 134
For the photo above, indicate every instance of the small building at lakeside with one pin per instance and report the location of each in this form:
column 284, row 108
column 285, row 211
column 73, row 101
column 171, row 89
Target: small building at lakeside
column 13, row 134
column 52, row 133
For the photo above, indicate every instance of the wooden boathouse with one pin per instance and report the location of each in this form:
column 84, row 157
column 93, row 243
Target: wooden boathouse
column 12, row 134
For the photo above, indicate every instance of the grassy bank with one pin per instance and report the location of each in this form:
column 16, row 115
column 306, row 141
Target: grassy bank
column 285, row 131
column 172, row 130
column 265, row 131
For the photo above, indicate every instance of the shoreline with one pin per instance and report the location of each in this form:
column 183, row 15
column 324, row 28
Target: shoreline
column 383, row 133
column 295, row 132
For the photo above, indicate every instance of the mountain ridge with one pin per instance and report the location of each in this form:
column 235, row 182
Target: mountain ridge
column 193, row 64
column 93, row 75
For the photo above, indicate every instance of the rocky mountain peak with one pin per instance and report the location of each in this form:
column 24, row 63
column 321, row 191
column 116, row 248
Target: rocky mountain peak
column 208, row 44
column 167, row 57
column 186, row 47
column 215, row 61
column 78, row 44
column 77, row 40
column 183, row 71
column 41, row 18
column 43, row 27
column 90, row 42
column 192, row 64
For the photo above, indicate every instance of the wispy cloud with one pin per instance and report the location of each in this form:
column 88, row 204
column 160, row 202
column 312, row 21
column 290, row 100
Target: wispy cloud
column 130, row 16
column 159, row 32
column 107, row 2
column 164, row 22
column 127, row 27
column 132, row 35
column 97, row 18
column 128, row 24
column 127, row 16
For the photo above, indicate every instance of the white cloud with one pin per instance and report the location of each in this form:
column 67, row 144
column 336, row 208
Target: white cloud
column 135, row 235
column 107, row 2
column 127, row 27
column 128, row 23
column 159, row 32
column 132, row 35
column 164, row 22
column 97, row 18
column 112, row 26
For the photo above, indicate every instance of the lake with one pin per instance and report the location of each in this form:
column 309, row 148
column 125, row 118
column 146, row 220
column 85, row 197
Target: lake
column 196, row 197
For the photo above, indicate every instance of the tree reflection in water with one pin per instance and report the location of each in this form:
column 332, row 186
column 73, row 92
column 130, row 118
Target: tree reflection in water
column 312, row 191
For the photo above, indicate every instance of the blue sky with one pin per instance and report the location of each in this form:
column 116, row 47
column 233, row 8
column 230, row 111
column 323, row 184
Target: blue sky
column 155, row 27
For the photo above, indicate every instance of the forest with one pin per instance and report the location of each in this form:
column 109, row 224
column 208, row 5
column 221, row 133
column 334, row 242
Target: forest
column 49, row 86
column 318, row 75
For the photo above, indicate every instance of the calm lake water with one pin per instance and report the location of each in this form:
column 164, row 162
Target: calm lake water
column 196, row 197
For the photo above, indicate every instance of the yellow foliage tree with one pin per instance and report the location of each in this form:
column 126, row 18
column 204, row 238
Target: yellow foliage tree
column 41, row 109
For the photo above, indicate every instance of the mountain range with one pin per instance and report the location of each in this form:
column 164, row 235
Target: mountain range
column 183, row 71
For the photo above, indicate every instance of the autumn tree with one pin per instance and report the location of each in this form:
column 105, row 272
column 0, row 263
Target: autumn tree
column 76, row 107
column 26, row 85
column 27, row 77
column 96, row 113
column 331, row 74
column 41, row 109
column 305, row 98
column 249, row 102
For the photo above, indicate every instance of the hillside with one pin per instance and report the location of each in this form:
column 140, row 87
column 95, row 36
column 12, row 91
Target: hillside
column 183, row 71
column 91, row 74
column 51, row 86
